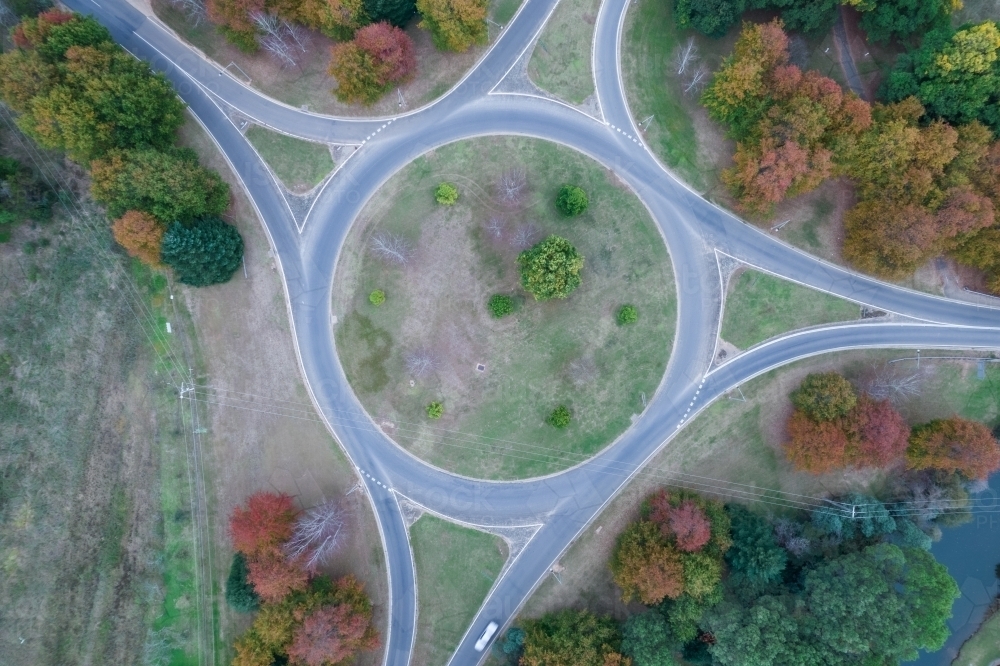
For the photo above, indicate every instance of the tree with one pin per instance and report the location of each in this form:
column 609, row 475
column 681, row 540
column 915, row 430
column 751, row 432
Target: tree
column 332, row 635
column 23, row 77
column 317, row 535
column 234, row 17
column 455, row 25
column 560, row 417
column 644, row 565
column 269, row 636
column 663, row 505
column 78, row 31
column 170, row 186
column 207, row 253
column 877, row 433
column 710, row 17
column 702, row 574
column 500, row 305
column 571, row 638
column 754, row 553
column 954, row 444
column 572, row 200
column 377, row 297
column 263, row 524
column 688, row 526
column 140, row 234
column 824, row 396
column 273, row 577
column 446, row 194
column 101, row 99
column 339, row 19
column 765, row 173
column 379, row 57
column 646, row 638
column 684, row 614
column 550, row 269
column 32, row 32
column 391, row 248
column 627, row 314
column 887, row 238
column 435, row 410
column 239, row 592
column 396, row 12
column 816, row 447
column 898, row 19
column 764, row 633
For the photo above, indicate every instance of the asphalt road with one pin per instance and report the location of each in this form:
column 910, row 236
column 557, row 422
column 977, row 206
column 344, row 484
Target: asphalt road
column 563, row 504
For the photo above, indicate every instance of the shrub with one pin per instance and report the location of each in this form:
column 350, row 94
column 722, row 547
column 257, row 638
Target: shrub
column 550, row 269
column 377, row 297
column 572, row 200
column 240, row 594
column 627, row 315
column 379, row 57
column 435, row 410
column 560, row 417
column 500, row 305
column 446, row 194
column 209, row 252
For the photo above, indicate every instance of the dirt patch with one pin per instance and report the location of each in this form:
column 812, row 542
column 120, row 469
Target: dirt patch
column 264, row 433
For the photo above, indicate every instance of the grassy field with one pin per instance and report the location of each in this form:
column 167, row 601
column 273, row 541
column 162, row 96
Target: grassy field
column 308, row 85
column 96, row 527
column 760, row 306
column 561, row 60
column 983, row 648
column 548, row 353
column 300, row 165
column 456, row 567
column 262, row 429
column 739, row 442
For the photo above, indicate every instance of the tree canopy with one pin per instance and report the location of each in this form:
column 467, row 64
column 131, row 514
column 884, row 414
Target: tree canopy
column 550, row 269
column 206, row 253
column 824, row 396
column 455, row 25
column 954, row 444
column 379, row 57
column 571, row 638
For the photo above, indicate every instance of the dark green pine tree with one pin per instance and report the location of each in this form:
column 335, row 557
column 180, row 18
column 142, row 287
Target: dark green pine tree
column 207, row 252
column 396, row 12
column 239, row 591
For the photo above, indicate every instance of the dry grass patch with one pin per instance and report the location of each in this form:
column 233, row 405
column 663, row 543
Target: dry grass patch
column 425, row 343
column 561, row 61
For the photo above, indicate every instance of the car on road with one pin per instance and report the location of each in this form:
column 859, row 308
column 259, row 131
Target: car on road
column 484, row 640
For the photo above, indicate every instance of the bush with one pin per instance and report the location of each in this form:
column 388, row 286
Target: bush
column 244, row 40
column 435, row 410
column 208, row 252
column 551, row 269
column 572, row 200
column 627, row 315
column 377, row 297
column 500, row 305
column 560, row 417
column 446, row 194
column 239, row 592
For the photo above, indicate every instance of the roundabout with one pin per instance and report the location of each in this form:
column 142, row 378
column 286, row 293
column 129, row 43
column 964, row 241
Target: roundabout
column 560, row 505
column 435, row 339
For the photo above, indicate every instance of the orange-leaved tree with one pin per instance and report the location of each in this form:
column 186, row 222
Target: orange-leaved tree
column 264, row 524
column 645, row 566
column 380, row 56
column 814, row 446
column 954, row 445
column 140, row 234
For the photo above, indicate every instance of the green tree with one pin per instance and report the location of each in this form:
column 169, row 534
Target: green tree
column 684, row 614
column 446, row 194
column 572, row 200
column 754, row 553
column 205, row 253
column 709, row 17
column 435, row 410
column 171, row 186
column 646, row 638
column 560, row 417
column 80, row 31
column 455, row 25
column 824, row 396
column 239, row 592
column 570, row 638
column 500, row 305
column 396, row 12
column 627, row 314
column 765, row 633
column 377, row 297
column 898, row 19
column 550, row 269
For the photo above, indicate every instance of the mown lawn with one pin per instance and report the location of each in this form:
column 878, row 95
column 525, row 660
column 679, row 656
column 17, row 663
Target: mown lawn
column 561, row 62
column 456, row 567
column 760, row 306
column 300, row 164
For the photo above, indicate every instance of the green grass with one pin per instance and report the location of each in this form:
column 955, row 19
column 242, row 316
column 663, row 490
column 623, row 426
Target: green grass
column 456, row 567
column 299, row 164
column 649, row 41
column 561, row 61
column 544, row 354
column 504, row 10
column 760, row 306
column 983, row 648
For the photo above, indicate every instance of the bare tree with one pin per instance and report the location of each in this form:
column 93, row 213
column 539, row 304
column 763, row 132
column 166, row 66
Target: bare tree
column 279, row 48
column 685, row 56
column 524, row 236
column 419, row 362
column 392, row 248
column 318, row 534
column 511, row 186
column 193, row 9
column 890, row 381
column 788, row 535
column 698, row 80
column 281, row 39
column 494, row 226
column 297, row 34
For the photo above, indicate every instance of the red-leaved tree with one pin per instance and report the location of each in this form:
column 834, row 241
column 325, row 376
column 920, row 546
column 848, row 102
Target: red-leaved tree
column 274, row 577
column 878, row 434
column 813, row 446
column 954, row 445
column 379, row 56
column 689, row 527
column 331, row 635
column 644, row 565
column 263, row 525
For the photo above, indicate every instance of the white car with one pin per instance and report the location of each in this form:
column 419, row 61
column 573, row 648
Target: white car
column 484, row 640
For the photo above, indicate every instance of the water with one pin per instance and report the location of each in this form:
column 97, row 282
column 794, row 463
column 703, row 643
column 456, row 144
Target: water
column 971, row 552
